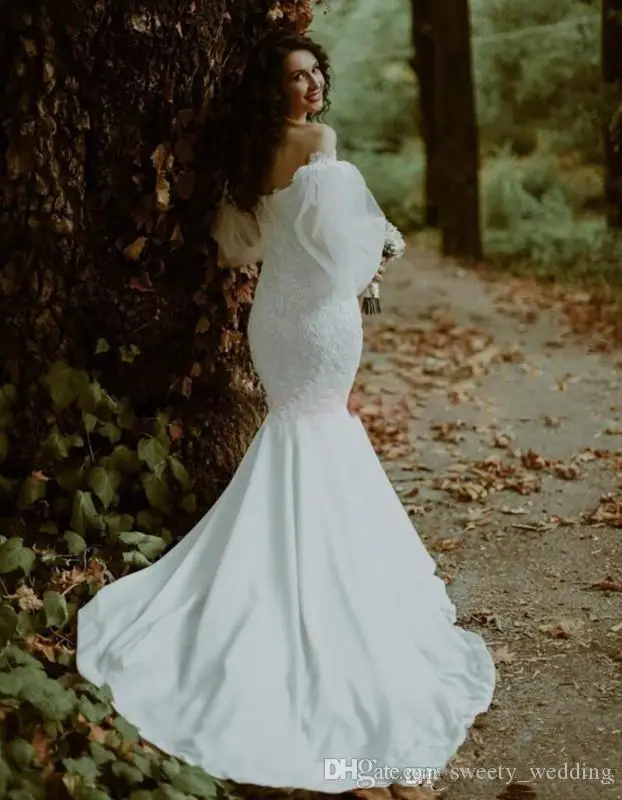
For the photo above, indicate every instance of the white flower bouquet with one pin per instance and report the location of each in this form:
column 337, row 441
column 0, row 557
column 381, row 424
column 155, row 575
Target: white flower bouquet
column 394, row 247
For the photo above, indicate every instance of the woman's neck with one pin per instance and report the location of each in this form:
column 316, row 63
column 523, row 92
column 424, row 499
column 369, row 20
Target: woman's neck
column 297, row 119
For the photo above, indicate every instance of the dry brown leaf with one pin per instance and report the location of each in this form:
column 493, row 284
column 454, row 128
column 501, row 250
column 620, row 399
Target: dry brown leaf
column 27, row 598
column 203, row 325
column 502, row 655
column 559, row 631
column 446, row 545
column 607, row 585
column 176, row 431
column 176, row 236
column 162, row 193
column 134, row 250
column 41, row 744
column 142, row 284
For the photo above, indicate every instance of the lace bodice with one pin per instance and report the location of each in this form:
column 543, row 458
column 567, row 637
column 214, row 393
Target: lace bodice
column 320, row 240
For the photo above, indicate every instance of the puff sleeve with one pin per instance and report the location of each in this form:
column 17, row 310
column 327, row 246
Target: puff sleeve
column 340, row 226
column 238, row 236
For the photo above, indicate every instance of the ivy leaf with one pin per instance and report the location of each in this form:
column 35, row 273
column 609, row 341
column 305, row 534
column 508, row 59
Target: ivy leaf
column 75, row 543
column 194, row 780
column 70, row 479
column 153, row 452
column 5, row 777
column 47, row 695
column 128, row 354
column 32, row 489
column 8, row 395
column 123, row 459
column 90, row 793
column 170, row 768
column 56, row 445
column 148, row 766
column 127, row 730
column 7, row 487
column 179, row 472
column 104, row 482
column 11, row 684
column 56, row 611
column 49, row 527
column 168, row 793
column 100, row 754
column 135, row 558
column 84, row 513
column 127, row 772
column 8, row 623
column 89, row 421
column 119, row 522
column 157, row 492
column 65, row 384
column 85, row 767
column 20, row 752
column 149, row 546
column 91, row 395
column 148, row 520
column 13, row 555
column 188, row 503
column 126, row 418
column 110, row 431
column 102, row 346
column 26, row 625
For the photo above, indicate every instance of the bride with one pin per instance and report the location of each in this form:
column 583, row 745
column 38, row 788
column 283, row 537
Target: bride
column 300, row 626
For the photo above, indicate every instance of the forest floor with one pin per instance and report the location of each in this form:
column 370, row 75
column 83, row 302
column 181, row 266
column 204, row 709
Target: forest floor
column 501, row 428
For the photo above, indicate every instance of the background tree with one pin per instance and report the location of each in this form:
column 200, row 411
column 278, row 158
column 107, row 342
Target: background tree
column 423, row 63
column 456, row 149
column 126, row 393
column 611, row 44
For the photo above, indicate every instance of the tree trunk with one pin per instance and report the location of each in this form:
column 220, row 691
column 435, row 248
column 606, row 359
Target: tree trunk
column 611, row 49
column 109, row 177
column 457, row 139
column 424, row 66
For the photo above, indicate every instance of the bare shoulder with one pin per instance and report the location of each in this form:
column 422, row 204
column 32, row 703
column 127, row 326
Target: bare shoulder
column 320, row 138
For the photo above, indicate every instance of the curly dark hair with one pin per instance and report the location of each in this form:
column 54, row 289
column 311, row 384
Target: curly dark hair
column 257, row 120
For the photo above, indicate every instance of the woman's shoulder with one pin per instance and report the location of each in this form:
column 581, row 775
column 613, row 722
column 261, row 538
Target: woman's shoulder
column 320, row 138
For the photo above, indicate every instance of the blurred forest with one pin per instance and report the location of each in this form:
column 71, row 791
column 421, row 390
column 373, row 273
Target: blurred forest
column 540, row 111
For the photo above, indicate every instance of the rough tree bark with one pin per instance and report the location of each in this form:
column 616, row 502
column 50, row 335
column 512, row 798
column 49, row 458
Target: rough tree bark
column 611, row 49
column 109, row 173
column 456, row 132
column 424, row 67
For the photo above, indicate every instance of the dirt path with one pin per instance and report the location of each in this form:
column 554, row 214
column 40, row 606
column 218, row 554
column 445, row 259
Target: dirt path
column 502, row 437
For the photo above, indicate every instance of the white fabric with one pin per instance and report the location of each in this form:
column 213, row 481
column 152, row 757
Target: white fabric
column 301, row 619
column 238, row 236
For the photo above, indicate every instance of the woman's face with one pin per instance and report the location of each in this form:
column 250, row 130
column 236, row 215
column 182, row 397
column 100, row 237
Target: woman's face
column 304, row 83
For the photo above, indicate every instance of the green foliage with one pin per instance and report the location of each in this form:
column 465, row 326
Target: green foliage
column 537, row 73
column 97, row 505
column 527, row 214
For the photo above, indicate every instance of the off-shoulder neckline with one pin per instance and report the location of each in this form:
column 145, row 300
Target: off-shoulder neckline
column 317, row 158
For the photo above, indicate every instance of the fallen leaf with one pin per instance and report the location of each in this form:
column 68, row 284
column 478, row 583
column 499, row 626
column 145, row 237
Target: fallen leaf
column 607, row 585
column 501, row 655
column 134, row 250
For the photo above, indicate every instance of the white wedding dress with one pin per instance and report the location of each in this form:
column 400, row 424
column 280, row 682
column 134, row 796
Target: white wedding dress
column 301, row 618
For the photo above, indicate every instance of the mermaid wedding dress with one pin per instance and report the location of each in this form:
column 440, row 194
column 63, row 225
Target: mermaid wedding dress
column 301, row 619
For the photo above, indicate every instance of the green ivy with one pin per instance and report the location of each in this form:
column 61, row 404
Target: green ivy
column 98, row 505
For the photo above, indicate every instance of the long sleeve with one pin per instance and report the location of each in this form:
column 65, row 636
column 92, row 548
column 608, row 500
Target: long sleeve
column 341, row 226
column 238, row 236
